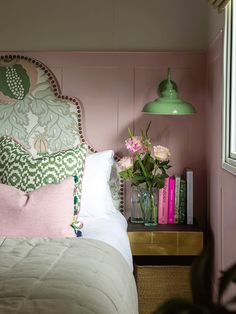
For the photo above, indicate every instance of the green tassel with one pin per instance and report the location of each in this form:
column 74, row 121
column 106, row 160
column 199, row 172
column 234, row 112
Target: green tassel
column 76, row 200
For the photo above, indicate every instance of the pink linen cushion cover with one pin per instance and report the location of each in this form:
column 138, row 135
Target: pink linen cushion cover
column 44, row 212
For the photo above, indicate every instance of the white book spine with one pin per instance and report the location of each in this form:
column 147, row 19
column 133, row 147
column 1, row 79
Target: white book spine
column 189, row 178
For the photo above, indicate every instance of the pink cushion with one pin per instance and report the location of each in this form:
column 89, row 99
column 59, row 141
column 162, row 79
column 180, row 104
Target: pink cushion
column 45, row 212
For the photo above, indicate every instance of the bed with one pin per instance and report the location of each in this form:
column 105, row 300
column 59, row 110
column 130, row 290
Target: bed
column 63, row 241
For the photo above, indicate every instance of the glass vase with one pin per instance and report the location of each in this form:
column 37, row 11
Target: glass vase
column 137, row 212
column 149, row 200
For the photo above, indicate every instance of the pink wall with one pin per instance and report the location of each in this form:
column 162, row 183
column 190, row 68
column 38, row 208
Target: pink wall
column 221, row 184
column 113, row 88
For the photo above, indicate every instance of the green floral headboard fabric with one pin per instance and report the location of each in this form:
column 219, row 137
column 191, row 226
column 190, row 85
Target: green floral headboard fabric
column 32, row 109
column 35, row 113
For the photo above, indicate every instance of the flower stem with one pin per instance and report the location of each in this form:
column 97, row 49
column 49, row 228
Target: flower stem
column 141, row 202
column 153, row 206
column 143, row 170
column 130, row 133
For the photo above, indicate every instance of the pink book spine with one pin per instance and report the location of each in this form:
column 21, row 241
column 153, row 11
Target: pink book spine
column 171, row 200
column 163, row 203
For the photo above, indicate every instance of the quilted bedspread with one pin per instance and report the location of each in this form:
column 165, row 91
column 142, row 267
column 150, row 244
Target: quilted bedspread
column 64, row 276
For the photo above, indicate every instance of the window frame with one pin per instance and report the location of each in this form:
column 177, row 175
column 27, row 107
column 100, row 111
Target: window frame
column 228, row 156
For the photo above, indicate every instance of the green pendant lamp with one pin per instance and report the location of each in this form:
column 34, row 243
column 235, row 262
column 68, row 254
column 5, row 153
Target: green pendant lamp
column 169, row 102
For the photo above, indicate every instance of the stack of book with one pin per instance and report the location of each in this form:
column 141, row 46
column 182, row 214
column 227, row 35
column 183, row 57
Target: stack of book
column 176, row 200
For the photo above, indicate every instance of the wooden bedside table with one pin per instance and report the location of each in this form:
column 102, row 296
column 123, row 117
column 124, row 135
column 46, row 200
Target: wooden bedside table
column 162, row 261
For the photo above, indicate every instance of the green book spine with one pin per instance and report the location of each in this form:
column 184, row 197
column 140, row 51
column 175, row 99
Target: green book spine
column 182, row 202
column 177, row 198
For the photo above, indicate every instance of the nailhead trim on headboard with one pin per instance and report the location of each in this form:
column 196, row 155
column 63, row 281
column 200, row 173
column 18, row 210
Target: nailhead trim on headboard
column 75, row 101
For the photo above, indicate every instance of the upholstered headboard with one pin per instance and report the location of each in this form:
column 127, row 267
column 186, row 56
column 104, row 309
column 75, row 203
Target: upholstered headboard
column 37, row 115
column 33, row 110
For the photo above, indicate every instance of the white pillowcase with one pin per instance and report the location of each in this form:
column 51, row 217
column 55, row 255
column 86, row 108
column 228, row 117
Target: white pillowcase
column 96, row 199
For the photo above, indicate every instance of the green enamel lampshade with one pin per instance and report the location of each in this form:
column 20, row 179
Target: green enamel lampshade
column 169, row 102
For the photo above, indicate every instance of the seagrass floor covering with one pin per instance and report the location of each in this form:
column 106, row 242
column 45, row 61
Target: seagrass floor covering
column 158, row 283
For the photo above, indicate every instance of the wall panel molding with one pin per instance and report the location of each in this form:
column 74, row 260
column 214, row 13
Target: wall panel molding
column 113, row 88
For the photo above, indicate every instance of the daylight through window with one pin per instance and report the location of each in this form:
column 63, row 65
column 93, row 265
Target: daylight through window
column 229, row 123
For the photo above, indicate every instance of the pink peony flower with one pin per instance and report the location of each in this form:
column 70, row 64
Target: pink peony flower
column 161, row 153
column 134, row 144
column 125, row 163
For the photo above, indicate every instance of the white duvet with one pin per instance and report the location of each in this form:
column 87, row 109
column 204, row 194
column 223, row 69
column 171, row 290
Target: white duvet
column 111, row 229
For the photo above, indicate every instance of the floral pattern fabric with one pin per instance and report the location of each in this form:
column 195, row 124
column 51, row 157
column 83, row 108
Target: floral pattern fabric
column 31, row 113
column 35, row 117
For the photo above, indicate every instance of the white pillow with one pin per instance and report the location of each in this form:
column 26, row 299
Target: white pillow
column 96, row 199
